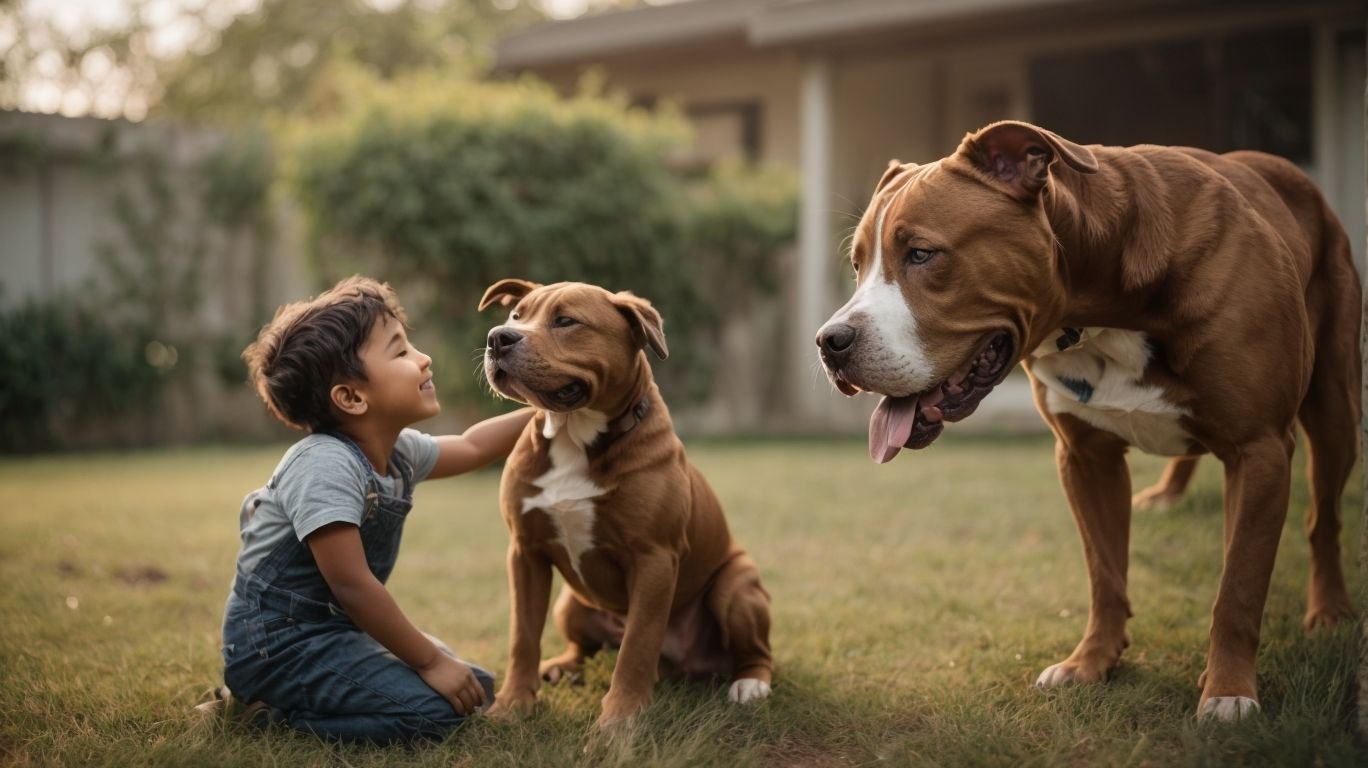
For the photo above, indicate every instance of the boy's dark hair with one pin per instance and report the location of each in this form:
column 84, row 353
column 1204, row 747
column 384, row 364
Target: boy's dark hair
column 312, row 345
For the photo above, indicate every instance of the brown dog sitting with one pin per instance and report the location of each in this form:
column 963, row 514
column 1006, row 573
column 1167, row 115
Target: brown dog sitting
column 599, row 487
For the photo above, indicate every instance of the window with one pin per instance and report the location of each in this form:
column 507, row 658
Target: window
column 1238, row 90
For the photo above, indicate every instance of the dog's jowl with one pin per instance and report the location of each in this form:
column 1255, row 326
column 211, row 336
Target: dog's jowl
column 1165, row 298
column 599, row 488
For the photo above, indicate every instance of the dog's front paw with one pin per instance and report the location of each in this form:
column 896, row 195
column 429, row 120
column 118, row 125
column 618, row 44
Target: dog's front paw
column 1227, row 708
column 1068, row 672
column 619, row 709
column 508, row 706
column 748, row 689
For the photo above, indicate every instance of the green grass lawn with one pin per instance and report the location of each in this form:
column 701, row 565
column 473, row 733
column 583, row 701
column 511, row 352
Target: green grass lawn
column 914, row 605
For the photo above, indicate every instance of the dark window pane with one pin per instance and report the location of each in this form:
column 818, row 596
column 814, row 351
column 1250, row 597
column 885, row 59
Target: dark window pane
column 1240, row 91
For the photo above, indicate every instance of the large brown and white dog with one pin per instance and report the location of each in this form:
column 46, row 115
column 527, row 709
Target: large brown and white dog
column 1168, row 298
column 599, row 487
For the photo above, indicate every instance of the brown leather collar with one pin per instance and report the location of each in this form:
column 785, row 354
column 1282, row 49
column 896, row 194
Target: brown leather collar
column 628, row 420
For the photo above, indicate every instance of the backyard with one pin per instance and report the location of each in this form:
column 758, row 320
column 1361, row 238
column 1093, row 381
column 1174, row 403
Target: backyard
column 914, row 605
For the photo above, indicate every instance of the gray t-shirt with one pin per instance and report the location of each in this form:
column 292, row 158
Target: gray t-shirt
column 321, row 481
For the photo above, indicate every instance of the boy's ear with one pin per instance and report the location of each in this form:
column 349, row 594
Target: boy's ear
column 506, row 292
column 647, row 326
column 347, row 399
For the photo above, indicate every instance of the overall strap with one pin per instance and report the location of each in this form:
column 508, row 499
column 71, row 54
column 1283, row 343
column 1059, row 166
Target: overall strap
column 396, row 458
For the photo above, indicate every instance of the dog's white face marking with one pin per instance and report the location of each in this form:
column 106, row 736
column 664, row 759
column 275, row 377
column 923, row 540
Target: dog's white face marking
column 567, row 494
column 748, row 689
column 1099, row 381
column 890, row 356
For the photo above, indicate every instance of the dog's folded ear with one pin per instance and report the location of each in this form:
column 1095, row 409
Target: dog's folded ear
column 647, row 326
column 895, row 167
column 1019, row 155
column 506, row 292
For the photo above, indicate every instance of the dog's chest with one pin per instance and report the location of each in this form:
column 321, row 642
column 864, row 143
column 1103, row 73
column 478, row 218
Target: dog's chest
column 567, row 492
column 1100, row 379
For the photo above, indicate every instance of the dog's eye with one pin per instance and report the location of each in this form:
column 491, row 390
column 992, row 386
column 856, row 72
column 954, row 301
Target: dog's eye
column 513, row 316
column 562, row 321
column 919, row 255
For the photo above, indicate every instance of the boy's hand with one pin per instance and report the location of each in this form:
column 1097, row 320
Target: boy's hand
column 455, row 682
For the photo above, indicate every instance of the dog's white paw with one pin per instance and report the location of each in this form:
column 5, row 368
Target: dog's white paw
column 1228, row 708
column 748, row 689
column 1054, row 676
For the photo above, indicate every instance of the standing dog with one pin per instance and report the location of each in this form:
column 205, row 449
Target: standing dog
column 599, row 487
column 1162, row 297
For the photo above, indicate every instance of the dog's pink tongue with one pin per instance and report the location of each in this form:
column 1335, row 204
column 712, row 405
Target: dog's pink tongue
column 890, row 426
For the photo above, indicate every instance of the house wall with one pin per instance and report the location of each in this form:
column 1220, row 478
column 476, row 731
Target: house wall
column 59, row 181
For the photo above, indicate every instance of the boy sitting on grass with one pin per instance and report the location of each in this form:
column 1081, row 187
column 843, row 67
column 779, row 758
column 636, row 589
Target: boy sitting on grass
column 309, row 631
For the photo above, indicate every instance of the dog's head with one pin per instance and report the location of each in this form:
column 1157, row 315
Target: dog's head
column 568, row 346
column 955, row 270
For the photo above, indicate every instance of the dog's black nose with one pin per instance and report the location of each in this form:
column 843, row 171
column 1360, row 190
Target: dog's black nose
column 836, row 338
column 501, row 338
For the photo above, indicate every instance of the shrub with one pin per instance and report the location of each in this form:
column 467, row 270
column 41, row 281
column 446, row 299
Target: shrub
column 454, row 186
column 60, row 366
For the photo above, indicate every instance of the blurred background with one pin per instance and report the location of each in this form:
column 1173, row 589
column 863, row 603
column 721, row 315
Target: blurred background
column 173, row 170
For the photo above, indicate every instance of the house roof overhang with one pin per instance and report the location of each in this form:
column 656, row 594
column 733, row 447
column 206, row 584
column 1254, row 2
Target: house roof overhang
column 748, row 24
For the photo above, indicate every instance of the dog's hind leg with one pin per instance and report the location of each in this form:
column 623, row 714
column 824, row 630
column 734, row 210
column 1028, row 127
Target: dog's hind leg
column 1170, row 488
column 1330, row 415
column 586, row 631
column 1257, row 483
column 742, row 609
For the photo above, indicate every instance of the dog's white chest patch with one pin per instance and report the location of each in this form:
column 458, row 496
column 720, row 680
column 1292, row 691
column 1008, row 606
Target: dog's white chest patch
column 567, row 493
column 1099, row 380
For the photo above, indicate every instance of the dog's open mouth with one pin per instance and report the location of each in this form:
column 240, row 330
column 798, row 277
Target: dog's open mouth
column 568, row 397
column 564, row 398
column 915, row 421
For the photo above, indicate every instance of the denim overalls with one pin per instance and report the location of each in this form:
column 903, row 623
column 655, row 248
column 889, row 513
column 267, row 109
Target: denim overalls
column 287, row 643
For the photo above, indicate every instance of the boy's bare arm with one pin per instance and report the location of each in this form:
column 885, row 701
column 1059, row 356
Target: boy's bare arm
column 341, row 559
column 481, row 444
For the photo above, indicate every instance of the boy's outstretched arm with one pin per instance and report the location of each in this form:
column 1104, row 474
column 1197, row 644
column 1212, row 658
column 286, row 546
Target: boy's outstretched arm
column 341, row 559
column 482, row 444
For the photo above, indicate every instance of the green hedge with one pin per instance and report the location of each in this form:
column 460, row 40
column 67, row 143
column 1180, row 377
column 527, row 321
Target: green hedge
column 457, row 185
column 61, row 367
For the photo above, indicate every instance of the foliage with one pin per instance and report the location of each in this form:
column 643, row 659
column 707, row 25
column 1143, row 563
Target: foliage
column 284, row 56
column 61, row 365
column 232, row 67
column 457, row 185
column 739, row 219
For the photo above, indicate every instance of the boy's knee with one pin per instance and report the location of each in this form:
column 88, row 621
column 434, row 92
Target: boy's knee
column 486, row 682
column 432, row 718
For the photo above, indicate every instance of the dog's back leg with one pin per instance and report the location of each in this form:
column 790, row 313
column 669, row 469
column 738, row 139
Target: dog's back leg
column 742, row 608
column 1330, row 415
column 1170, row 488
column 585, row 629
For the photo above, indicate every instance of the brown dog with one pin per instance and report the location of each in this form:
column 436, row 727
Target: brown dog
column 1163, row 297
column 599, row 487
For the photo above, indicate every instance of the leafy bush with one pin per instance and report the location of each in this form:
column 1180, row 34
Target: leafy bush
column 61, row 365
column 454, row 186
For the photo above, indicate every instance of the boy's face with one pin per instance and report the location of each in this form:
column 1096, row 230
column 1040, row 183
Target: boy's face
column 398, row 386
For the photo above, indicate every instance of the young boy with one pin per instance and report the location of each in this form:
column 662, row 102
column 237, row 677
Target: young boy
column 310, row 630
